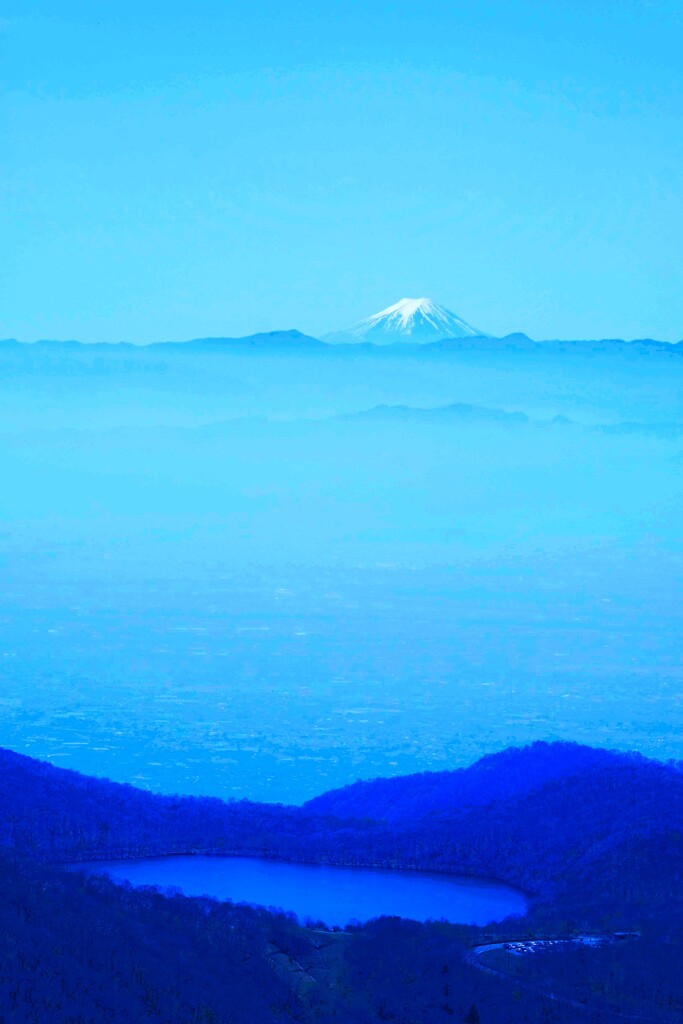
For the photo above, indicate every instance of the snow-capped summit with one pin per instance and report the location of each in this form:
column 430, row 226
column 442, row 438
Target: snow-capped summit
column 411, row 320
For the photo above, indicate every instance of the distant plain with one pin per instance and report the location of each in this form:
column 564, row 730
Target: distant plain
column 227, row 571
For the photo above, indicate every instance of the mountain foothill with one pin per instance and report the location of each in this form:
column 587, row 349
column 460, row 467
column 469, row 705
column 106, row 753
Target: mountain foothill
column 593, row 837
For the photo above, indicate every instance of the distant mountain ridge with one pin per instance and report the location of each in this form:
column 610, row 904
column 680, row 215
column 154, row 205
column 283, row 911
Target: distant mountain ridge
column 463, row 413
column 266, row 340
column 339, row 343
column 460, row 412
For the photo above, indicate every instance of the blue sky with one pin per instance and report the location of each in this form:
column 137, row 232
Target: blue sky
column 174, row 170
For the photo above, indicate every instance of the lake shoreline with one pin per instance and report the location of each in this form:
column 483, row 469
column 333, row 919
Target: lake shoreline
column 408, row 869
column 321, row 893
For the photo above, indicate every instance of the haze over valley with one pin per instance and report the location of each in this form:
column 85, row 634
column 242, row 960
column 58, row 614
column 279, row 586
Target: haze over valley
column 341, row 491
column 268, row 566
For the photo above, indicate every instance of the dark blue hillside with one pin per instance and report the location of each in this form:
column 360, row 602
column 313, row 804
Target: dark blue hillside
column 59, row 814
column 75, row 950
column 505, row 776
column 541, row 817
column 54, row 814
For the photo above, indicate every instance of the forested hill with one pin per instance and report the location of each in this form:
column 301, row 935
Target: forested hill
column 556, row 820
column 76, row 949
column 596, row 838
column 55, row 814
column 507, row 775
column 82, row 949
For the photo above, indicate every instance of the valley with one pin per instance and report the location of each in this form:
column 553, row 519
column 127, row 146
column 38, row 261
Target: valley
column 608, row 870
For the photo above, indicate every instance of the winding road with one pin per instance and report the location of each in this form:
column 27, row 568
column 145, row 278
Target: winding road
column 526, row 947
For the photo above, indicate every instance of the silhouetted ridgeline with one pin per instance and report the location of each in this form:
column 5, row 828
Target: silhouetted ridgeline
column 504, row 776
column 293, row 338
column 546, row 818
column 596, row 835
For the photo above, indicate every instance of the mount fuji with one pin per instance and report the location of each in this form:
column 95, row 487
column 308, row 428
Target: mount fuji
column 416, row 321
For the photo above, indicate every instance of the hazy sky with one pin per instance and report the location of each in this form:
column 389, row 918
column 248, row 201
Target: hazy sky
column 174, row 170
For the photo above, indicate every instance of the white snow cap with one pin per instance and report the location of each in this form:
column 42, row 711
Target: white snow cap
column 412, row 320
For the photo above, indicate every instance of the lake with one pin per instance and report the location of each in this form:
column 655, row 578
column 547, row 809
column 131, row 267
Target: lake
column 333, row 895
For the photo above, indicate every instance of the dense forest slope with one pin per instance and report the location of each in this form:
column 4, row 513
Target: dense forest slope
column 596, row 837
column 507, row 775
column 76, row 949
column 544, row 818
